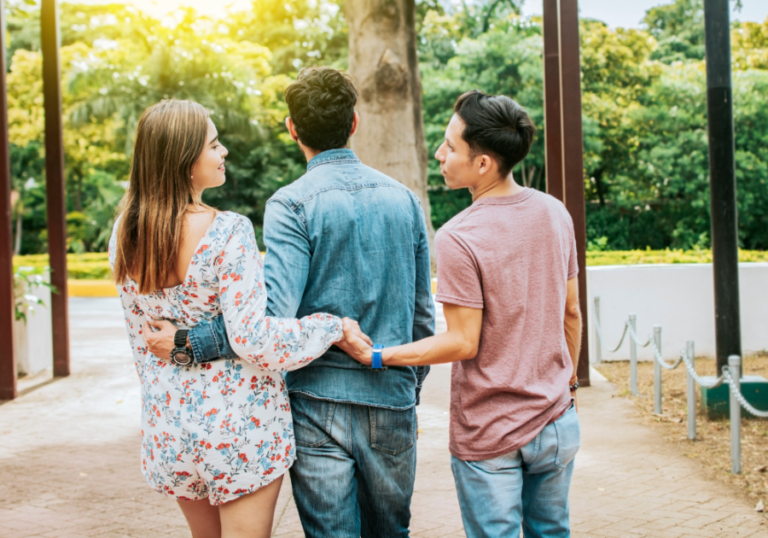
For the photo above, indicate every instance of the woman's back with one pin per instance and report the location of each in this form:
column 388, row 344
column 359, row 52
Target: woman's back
column 219, row 430
column 191, row 294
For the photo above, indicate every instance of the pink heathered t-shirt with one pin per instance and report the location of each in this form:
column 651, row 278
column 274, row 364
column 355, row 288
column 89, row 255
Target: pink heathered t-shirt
column 511, row 256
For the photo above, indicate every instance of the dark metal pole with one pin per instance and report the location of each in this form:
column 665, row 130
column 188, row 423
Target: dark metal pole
column 722, row 181
column 55, row 188
column 552, row 112
column 573, row 158
column 7, row 357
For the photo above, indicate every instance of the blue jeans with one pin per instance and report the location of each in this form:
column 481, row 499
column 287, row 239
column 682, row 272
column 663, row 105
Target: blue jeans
column 355, row 468
column 529, row 486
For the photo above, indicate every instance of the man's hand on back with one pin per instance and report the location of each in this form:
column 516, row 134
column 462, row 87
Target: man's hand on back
column 356, row 343
column 160, row 341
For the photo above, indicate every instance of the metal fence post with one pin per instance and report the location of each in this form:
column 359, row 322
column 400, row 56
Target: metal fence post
column 598, row 343
column 657, row 371
column 633, row 355
column 734, row 365
column 689, row 351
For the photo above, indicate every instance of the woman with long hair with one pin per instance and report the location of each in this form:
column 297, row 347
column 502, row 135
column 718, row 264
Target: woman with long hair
column 216, row 438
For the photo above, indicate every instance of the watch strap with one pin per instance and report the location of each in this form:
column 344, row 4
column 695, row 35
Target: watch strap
column 376, row 360
column 180, row 338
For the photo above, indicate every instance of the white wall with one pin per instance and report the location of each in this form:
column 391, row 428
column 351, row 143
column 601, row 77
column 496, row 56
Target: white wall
column 680, row 298
column 34, row 339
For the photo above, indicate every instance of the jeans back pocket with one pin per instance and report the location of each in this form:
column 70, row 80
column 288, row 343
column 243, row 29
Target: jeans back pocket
column 311, row 420
column 568, row 437
column 392, row 432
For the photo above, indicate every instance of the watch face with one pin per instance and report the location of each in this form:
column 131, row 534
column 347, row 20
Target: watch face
column 182, row 359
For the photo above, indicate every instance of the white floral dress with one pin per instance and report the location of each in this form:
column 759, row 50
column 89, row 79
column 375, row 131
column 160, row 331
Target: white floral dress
column 223, row 429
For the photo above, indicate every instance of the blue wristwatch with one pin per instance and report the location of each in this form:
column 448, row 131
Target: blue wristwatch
column 376, row 362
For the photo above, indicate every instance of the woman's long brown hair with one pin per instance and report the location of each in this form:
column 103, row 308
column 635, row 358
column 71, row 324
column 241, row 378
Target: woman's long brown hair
column 170, row 137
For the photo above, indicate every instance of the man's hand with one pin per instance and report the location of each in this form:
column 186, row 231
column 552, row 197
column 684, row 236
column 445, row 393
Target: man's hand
column 356, row 343
column 160, row 341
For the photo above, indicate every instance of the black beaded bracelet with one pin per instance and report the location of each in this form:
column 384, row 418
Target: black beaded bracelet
column 574, row 386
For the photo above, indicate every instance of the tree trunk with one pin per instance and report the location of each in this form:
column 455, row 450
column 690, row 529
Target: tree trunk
column 385, row 68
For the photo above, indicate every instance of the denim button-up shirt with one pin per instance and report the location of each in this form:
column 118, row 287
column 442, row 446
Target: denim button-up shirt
column 350, row 241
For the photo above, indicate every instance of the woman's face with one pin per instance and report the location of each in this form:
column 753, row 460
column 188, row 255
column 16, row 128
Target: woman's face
column 209, row 171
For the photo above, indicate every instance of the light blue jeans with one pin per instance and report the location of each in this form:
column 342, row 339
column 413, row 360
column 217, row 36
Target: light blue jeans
column 528, row 486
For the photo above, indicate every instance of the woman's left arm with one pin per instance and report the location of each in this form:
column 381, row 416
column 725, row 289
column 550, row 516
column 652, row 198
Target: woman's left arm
column 271, row 343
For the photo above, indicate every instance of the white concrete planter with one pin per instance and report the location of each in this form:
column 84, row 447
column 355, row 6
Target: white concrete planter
column 33, row 340
column 680, row 298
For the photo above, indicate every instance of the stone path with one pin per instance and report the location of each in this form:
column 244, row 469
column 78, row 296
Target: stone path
column 69, row 461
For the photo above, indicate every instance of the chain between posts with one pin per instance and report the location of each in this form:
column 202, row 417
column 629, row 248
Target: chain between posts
column 729, row 375
column 725, row 377
column 740, row 397
column 602, row 338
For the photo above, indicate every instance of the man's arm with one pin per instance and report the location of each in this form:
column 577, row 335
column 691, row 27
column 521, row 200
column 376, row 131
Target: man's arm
column 286, row 265
column 424, row 314
column 572, row 324
column 208, row 340
column 460, row 342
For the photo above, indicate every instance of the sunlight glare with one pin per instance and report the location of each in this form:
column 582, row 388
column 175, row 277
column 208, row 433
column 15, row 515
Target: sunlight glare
column 161, row 8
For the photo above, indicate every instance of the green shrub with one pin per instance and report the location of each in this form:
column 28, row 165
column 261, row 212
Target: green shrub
column 638, row 257
column 92, row 266
column 95, row 266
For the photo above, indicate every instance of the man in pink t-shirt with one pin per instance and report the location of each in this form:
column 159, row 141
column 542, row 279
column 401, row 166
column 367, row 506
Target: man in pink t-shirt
column 507, row 272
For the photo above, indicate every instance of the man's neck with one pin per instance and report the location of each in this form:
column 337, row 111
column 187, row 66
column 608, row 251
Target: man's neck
column 503, row 187
column 309, row 153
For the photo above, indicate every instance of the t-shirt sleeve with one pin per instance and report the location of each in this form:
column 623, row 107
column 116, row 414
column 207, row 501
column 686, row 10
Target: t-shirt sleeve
column 458, row 277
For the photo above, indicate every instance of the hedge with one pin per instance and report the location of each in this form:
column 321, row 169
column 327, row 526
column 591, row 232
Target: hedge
column 640, row 257
column 96, row 266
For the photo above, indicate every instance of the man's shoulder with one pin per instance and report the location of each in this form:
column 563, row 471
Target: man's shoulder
column 550, row 202
column 330, row 177
column 460, row 222
column 454, row 231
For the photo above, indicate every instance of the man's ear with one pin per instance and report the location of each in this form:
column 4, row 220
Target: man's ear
column 355, row 123
column 485, row 164
column 291, row 129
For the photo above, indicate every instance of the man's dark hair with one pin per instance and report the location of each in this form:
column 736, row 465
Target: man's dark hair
column 322, row 106
column 497, row 126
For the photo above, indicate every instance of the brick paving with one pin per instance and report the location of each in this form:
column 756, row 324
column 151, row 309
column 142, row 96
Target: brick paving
column 69, row 461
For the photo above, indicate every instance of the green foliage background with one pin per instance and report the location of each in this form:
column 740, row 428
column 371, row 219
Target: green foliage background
column 645, row 136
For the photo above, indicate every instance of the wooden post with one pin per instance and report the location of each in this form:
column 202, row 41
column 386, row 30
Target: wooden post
column 7, row 356
column 553, row 130
column 55, row 188
column 565, row 144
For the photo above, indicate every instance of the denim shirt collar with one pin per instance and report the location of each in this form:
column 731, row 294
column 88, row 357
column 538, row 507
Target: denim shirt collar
column 336, row 156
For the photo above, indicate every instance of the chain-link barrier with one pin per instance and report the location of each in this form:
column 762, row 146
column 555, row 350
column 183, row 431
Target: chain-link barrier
column 688, row 360
column 602, row 339
column 740, row 397
column 664, row 364
column 633, row 336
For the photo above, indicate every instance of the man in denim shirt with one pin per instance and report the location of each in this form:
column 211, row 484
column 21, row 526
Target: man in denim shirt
column 347, row 240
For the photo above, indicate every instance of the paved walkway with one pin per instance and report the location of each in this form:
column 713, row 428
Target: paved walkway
column 69, row 461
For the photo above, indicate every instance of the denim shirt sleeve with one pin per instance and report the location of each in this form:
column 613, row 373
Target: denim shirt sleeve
column 286, row 266
column 424, row 315
column 209, row 341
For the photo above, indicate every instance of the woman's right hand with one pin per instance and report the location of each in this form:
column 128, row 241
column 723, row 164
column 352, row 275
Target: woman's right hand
column 356, row 343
